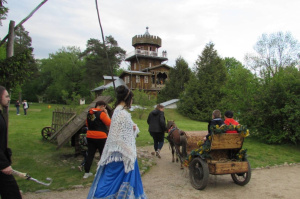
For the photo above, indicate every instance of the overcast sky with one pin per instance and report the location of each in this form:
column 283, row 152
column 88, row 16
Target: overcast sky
column 185, row 26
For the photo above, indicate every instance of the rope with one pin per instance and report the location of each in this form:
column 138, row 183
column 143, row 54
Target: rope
column 104, row 46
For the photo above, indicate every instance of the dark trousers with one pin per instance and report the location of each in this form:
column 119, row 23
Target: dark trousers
column 93, row 145
column 25, row 111
column 158, row 139
column 85, row 155
column 9, row 188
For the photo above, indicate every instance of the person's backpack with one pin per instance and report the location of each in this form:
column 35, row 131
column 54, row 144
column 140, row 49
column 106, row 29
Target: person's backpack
column 27, row 105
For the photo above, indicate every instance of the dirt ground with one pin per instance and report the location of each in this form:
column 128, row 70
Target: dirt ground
column 165, row 180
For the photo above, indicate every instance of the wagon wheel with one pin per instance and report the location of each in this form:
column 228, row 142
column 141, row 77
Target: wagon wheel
column 242, row 178
column 199, row 173
column 47, row 132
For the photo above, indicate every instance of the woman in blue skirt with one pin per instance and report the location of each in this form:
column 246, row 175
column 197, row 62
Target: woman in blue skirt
column 118, row 174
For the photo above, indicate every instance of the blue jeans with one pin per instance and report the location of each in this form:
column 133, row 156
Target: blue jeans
column 158, row 139
column 18, row 110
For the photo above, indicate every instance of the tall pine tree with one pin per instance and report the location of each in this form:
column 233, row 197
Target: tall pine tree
column 179, row 75
column 22, row 41
column 204, row 92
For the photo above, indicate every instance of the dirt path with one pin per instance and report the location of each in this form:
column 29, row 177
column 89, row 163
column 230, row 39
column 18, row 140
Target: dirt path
column 167, row 181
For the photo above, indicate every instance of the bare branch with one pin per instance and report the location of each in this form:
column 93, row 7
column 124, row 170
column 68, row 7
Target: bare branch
column 24, row 20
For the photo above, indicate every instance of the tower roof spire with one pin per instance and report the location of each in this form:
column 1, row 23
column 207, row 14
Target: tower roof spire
column 147, row 33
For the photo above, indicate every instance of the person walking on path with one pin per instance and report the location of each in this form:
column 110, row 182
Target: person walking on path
column 97, row 122
column 157, row 127
column 25, row 106
column 17, row 105
column 118, row 174
column 9, row 188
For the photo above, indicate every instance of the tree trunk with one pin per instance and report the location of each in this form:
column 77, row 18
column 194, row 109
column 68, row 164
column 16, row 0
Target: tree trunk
column 10, row 42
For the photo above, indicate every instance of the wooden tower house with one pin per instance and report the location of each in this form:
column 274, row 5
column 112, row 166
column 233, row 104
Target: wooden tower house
column 148, row 72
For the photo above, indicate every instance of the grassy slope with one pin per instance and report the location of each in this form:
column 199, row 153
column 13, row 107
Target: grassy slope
column 40, row 158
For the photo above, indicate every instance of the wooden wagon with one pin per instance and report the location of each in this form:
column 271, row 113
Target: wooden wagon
column 224, row 155
column 67, row 125
column 60, row 117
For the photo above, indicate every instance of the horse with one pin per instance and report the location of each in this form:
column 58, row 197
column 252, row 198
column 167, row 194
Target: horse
column 177, row 140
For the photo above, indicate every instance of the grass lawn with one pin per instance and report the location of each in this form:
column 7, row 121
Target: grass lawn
column 41, row 159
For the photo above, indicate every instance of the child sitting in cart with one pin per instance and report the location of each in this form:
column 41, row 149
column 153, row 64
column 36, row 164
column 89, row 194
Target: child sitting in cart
column 216, row 120
column 230, row 121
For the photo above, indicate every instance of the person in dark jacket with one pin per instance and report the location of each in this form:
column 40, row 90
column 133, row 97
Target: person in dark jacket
column 17, row 105
column 216, row 120
column 9, row 188
column 157, row 127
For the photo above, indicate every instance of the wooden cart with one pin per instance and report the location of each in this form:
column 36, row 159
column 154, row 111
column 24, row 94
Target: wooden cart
column 60, row 117
column 223, row 158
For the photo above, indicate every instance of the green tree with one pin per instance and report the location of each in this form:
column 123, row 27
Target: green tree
column 3, row 11
column 16, row 69
column 238, row 90
column 62, row 75
column 110, row 92
column 210, row 77
column 273, row 52
column 142, row 99
column 2, row 52
column 96, row 62
column 22, row 40
column 178, row 76
column 36, row 86
column 189, row 99
column 277, row 111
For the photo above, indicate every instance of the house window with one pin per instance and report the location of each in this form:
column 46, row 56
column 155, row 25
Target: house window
column 134, row 67
column 150, row 65
column 127, row 80
column 137, row 79
column 146, row 79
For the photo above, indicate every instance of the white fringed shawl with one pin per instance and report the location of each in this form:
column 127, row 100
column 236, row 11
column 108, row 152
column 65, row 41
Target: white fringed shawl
column 120, row 144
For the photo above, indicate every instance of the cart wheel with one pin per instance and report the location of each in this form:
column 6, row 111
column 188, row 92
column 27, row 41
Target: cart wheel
column 199, row 173
column 47, row 132
column 242, row 178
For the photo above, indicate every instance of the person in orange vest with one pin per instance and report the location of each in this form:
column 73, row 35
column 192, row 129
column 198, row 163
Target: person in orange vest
column 97, row 122
column 230, row 121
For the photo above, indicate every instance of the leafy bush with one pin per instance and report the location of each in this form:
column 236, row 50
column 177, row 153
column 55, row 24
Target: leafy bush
column 277, row 108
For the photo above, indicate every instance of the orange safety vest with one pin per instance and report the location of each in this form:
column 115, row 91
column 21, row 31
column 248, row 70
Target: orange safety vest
column 97, row 126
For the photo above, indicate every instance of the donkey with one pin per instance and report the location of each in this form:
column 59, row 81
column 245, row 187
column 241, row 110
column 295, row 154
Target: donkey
column 177, row 139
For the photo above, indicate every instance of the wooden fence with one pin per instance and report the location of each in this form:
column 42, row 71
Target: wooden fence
column 61, row 116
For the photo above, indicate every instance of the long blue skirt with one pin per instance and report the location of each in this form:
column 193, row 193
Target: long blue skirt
column 111, row 182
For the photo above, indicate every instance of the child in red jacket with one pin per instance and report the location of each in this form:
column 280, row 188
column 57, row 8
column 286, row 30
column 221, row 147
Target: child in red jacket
column 230, row 121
